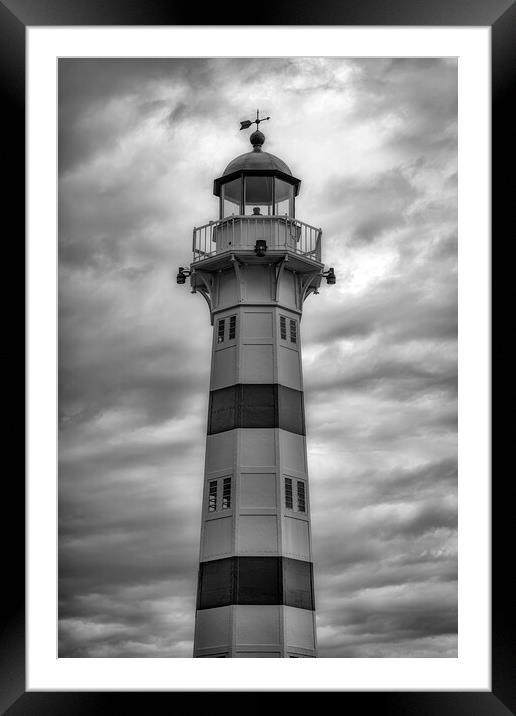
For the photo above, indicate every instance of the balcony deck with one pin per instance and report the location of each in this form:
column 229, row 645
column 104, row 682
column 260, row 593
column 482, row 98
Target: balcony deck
column 241, row 232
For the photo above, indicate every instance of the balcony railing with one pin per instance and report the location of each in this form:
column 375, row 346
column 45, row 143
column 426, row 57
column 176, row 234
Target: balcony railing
column 242, row 232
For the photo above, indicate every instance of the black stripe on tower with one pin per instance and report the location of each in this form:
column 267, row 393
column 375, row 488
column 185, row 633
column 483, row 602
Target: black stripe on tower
column 257, row 581
column 256, row 405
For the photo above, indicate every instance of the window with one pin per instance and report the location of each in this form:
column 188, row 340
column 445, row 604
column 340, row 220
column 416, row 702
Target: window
column 226, row 493
column 212, row 496
column 220, row 330
column 283, row 198
column 301, row 502
column 292, row 327
column 293, row 331
column 288, row 494
column 232, row 327
column 214, row 487
column 258, row 195
column 231, row 198
column 283, row 328
column 297, row 497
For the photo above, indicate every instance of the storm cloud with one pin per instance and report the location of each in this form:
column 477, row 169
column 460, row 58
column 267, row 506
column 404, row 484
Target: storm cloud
column 375, row 144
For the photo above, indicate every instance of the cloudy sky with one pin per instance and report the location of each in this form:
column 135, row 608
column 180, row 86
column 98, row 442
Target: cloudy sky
column 374, row 142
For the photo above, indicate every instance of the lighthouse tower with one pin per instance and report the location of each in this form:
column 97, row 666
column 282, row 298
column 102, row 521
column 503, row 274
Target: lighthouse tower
column 255, row 266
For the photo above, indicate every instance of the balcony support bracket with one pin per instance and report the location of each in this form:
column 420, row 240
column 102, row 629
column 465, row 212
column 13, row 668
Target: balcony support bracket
column 278, row 270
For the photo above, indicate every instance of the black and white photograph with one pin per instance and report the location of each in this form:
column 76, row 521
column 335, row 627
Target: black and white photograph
column 257, row 296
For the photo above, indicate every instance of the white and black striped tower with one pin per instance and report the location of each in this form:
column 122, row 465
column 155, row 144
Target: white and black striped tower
column 255, row 266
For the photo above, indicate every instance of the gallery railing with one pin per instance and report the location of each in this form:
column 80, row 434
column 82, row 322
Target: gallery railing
column 242, row 232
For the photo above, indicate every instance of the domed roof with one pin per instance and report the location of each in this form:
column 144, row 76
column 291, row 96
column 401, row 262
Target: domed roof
column 256, row 159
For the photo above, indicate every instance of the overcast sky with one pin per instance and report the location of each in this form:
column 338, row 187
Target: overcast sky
column 374, row 142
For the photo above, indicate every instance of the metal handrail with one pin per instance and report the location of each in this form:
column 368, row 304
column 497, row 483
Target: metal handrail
column 285, row 232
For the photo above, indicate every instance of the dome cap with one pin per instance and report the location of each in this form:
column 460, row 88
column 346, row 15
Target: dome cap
column 256, row 161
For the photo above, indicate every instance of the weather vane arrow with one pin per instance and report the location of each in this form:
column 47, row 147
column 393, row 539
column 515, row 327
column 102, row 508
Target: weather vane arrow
column 247, row 123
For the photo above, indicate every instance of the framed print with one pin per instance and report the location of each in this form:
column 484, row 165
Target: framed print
column 135, row 170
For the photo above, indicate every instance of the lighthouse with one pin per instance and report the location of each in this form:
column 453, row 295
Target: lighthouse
column 255, row 266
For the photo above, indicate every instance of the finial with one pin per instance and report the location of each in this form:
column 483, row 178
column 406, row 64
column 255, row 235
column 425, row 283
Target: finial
column 257, row 138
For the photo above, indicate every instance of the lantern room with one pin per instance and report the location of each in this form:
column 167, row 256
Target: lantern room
column 257, row 194
column 256, row 184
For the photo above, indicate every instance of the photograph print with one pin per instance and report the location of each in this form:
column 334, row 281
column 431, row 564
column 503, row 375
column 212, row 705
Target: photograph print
column 257, row 325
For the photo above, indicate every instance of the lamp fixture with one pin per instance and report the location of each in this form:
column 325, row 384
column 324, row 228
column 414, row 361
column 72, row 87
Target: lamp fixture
column 330, row 276
column 182, row 275
column 260, row 247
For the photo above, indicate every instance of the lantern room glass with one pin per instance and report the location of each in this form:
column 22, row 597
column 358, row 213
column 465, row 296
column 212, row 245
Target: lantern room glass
column 258, row 195
column 283, row 198
column 263, row 195
column 231, row 198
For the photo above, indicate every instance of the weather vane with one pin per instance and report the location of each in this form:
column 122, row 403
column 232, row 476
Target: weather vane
column 247, row 123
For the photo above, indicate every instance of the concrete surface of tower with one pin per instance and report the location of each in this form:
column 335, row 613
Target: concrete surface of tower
column 255, row 266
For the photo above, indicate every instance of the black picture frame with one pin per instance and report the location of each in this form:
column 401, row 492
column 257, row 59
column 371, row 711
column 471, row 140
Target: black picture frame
column 500, row 16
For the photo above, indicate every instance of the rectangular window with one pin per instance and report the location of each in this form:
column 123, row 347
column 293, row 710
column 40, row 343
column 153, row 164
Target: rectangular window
column 283, row 198
column 258, row 194
column 288, row 494
column 212, row 496
column 232, row 327
column 301, row 502
column 231, row 196
column 220, row 330
column 283, row 328
column 293, row 331
column 226, row 493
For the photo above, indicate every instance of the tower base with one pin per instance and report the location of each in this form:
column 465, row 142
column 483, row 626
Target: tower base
column 248, row 631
